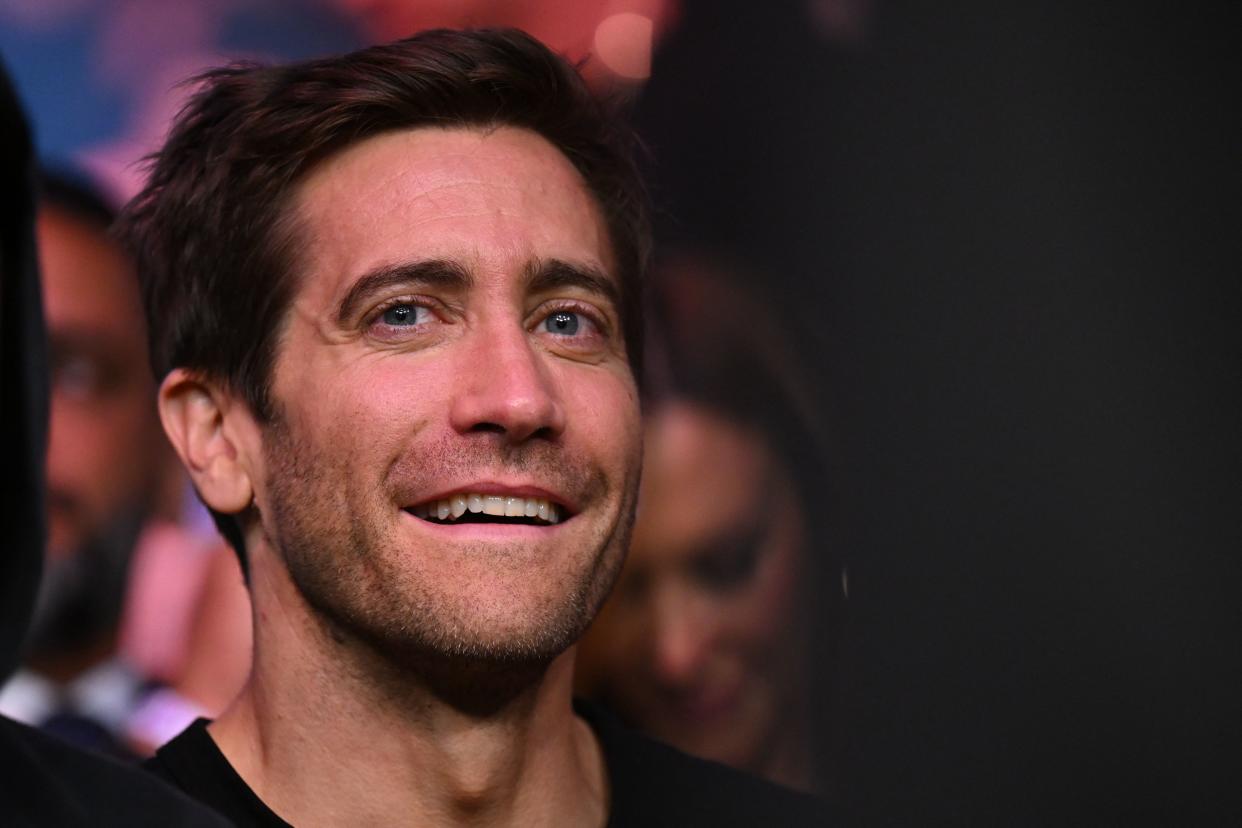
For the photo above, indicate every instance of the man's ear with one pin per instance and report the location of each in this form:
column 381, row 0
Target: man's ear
column 200, row 419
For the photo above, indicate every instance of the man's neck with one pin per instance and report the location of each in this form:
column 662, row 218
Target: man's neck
column 323, row 740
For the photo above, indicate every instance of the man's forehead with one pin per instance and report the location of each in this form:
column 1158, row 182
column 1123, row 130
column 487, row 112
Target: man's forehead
column 442, row 170
column 474, row 196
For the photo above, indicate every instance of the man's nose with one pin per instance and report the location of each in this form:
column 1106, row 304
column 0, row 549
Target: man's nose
column 505, row 387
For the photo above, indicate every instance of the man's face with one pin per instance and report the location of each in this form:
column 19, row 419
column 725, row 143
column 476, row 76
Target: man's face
column 454, row 343
column 105, row 439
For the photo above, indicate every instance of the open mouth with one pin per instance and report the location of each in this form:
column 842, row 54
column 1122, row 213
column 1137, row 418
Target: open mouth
column 481, row 508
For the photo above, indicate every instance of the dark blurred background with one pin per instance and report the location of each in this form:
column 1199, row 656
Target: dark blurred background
column 1008, row 234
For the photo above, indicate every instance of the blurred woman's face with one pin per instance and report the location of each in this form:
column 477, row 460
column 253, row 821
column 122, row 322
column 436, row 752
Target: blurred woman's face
column 699, row 644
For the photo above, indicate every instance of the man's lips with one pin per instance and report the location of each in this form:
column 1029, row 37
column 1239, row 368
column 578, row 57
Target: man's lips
column 495, row 503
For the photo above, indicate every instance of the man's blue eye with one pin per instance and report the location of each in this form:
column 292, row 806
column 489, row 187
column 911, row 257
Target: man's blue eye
column 564, row 323
column 399, row 315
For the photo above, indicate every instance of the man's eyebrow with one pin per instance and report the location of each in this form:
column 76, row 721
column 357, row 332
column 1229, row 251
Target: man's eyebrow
column 432, row 273
column 550, row 274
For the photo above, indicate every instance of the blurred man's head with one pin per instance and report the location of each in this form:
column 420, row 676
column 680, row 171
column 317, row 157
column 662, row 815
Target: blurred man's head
column 104, row 440
column 104, row 433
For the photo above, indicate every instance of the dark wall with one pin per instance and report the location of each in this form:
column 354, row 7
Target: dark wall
column 1010, row 235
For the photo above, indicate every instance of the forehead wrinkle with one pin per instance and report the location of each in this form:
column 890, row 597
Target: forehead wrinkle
column 430, row 180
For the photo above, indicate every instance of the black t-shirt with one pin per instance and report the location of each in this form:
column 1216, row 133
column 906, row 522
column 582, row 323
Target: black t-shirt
column 44, row 781
column 651, row 784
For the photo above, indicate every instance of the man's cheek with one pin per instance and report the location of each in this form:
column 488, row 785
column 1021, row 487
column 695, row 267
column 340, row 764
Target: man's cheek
column 610, row 404
column 355, row 396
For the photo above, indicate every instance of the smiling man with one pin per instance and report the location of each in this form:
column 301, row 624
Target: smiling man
column 394, row 303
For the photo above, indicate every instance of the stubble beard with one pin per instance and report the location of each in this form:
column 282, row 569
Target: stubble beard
column 357, row 580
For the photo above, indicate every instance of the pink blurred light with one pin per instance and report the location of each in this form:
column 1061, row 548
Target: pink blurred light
column 149, row 46
column 139, row 37
column 116, row 164
column 623, row 43
column 567, row 27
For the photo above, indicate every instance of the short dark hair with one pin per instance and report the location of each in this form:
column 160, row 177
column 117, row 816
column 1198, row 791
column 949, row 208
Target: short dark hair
column 213, row 234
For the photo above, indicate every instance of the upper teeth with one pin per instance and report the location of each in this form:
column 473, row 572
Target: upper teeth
column 457, row 505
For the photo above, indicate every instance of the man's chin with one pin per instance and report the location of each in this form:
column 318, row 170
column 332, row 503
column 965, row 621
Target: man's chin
column 477, row 669
column 489, row 638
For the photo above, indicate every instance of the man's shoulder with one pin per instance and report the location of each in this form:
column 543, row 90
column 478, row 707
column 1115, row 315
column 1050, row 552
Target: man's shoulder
column 654, row 784
column 49, row 782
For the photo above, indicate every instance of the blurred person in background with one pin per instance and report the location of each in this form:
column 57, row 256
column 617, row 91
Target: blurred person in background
column 103, row 462
column 716, row 636
column 111, row 617
column 104, row 453
column 45, row 781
